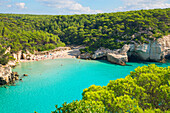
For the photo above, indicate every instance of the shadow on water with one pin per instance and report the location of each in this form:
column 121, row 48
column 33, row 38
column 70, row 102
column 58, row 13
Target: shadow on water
column 139, row 62
column 107, row 62
column 150, row 62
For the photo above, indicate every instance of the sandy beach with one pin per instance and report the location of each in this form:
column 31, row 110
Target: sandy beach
column 54, row 55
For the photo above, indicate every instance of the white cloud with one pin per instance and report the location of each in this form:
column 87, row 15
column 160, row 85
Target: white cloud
column 68, row 6
column 21, row 5
column 9, row 5
column 142, row 4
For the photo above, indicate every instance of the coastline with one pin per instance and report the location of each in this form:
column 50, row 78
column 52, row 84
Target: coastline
column 54, row 55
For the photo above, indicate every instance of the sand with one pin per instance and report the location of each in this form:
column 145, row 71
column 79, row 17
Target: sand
column 59, row 54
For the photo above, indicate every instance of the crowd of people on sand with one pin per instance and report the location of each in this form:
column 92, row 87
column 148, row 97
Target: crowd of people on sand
column 52, row 55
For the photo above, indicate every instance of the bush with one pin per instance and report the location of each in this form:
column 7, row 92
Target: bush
column 145, row 90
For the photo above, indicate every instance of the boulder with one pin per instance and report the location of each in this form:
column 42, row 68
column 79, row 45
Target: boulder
column 85, row 56
column 117, row 58
column 25, row 75
column 16, row 78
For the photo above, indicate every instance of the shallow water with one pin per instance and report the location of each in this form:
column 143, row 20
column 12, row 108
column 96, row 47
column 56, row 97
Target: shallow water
column 52, row 82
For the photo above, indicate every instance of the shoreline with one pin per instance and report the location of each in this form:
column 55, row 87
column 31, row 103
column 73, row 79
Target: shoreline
column 22, row 60
column 55, row 55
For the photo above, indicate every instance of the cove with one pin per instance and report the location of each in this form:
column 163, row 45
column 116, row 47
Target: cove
column 52, row 82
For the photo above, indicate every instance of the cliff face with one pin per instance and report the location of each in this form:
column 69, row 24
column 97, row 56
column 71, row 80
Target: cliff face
column 6, row 75
column 163, row 46
column 153, row 51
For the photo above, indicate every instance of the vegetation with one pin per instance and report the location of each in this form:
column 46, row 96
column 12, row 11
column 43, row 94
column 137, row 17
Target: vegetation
column 110, row 30
column 145, row 90
column 4, row 57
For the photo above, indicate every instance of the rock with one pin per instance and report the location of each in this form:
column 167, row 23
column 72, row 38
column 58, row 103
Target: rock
column 117, row 59
column 15, row 73
column 156, row 50
column 160, row 48
column 8, row 50
column 101, row 52
column 167, row 56
column 7, row 76
column 25, row 75
column 125, row 49
column 16, row 78
column 143, row 51
column 17, row 56
column 12, row 63
column 85, row 56
column 24, row 56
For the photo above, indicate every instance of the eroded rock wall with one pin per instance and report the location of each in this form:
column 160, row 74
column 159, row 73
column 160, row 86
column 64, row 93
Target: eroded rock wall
column 6, row 75
column 155, row 50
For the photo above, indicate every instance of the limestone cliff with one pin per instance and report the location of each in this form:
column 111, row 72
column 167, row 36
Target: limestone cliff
column 155, row 50
column 6, row 75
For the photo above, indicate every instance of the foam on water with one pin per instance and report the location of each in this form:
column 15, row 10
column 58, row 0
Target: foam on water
column 52, row 82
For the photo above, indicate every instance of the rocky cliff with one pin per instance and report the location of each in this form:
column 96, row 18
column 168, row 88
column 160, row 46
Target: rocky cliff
column 6, row 75
column 155, row 50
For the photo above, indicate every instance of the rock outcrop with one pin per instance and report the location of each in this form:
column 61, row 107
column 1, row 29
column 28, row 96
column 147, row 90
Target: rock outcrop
column 160, row 48
column 155, row 50
column 85, row 56
column 17, row 56
column 7, row 76
column 101, row 52
column 117, row 58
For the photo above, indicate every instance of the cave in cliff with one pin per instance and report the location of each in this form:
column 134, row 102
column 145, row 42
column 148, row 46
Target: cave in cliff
column 134, row 57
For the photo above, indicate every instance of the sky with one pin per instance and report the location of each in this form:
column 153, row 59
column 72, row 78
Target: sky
column 69, row 7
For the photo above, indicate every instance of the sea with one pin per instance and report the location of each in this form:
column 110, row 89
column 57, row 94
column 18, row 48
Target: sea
column 53, row 82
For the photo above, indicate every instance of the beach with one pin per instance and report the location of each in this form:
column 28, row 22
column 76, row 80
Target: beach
column 54, row 55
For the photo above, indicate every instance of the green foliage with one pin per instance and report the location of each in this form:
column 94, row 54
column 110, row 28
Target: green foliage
column 20, row 35
column 4, row 57
column 145, row 90
column 109, row 30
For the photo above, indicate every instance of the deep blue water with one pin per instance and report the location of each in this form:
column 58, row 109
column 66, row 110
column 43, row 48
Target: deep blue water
column 50, row 83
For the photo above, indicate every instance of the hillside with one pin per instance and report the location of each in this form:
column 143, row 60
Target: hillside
column 109, row 30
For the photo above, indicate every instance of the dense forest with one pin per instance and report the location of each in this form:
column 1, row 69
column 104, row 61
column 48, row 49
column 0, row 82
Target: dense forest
column 110, row 30
column 145, row 90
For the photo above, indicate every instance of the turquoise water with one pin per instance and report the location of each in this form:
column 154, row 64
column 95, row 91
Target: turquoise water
column 50, row 83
